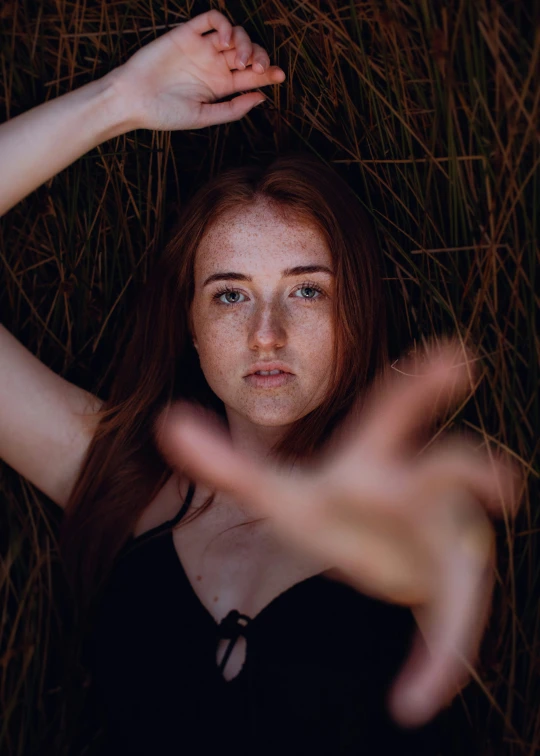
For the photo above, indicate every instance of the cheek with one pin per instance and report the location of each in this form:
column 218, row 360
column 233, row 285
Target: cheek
column 312, row 331
column 219, row 341
column 315, row 342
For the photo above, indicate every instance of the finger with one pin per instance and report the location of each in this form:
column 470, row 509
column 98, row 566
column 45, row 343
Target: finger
column 259, row 60
column 193, row 441
column 445, row 651
column 455, row 463
column 400, row 411
column 242, row 47
column 513, row 484
column 258, row 63
column 231, row 110
column 249, row 79
column 213, row 19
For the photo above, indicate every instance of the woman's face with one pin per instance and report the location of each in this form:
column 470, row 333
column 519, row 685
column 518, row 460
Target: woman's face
column 263, row 302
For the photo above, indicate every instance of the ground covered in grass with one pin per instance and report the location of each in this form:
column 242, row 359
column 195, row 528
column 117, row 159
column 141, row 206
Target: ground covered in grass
column 431, row 112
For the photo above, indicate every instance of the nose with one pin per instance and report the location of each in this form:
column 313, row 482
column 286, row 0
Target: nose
column 267, row 328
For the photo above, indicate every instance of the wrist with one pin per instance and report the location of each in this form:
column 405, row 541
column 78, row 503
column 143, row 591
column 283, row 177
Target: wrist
column 114, row 106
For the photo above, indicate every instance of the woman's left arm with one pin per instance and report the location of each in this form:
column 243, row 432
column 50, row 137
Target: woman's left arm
column 406, row 527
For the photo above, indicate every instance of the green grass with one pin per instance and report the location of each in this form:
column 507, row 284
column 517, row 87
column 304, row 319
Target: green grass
column 431, row 112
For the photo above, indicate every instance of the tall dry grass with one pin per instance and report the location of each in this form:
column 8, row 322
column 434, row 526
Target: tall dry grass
column 431, row 112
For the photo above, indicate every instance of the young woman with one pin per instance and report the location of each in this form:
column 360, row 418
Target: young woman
column 255, row 585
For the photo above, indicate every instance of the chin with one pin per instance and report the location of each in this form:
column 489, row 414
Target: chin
column 272, row 421
column 279, row 410
column 273, row 416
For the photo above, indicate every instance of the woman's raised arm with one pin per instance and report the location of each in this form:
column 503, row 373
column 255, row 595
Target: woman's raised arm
column 171, row 83
column 43, row 141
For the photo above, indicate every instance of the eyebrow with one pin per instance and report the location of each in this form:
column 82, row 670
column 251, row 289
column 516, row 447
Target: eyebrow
column 298, row 270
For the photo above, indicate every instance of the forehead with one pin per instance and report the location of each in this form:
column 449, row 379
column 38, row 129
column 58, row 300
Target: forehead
column 259, row 239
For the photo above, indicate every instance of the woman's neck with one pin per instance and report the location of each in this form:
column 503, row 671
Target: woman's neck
column 255, row 441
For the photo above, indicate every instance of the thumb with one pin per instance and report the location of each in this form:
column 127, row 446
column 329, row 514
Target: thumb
column 211, row 114
column 194, row 441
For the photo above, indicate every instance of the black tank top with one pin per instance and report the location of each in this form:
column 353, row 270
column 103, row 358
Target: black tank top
column 319, row 660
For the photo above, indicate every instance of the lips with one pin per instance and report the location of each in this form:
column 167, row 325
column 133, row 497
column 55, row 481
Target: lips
column 269, row 375
column 272, row 381
column 266, row 368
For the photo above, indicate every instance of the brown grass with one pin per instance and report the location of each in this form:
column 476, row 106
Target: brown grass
column 431, row 112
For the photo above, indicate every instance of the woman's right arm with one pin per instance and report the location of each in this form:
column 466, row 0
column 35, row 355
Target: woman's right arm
column 171, row 83
column 38, row 144
column 43, row 434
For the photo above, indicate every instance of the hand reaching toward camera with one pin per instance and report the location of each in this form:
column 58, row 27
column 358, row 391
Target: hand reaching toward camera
column 402, row 526
column 175, row 81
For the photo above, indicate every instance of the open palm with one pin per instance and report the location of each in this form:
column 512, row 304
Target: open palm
column 175, row 81
column 405, row 527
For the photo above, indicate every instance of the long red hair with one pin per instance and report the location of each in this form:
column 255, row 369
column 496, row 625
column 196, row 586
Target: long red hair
column 123, row 470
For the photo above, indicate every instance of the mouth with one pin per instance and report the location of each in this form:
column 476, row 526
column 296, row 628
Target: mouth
column 270, row 372
column 273, row 378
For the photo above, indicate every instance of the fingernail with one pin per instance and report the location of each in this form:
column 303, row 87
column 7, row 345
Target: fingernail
column 258, row 67
column 260, row 101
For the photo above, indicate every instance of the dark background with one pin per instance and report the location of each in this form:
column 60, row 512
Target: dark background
column 430, row 112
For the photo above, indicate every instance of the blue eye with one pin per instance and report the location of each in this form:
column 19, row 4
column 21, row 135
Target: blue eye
column 310, row 292
column 228, row 296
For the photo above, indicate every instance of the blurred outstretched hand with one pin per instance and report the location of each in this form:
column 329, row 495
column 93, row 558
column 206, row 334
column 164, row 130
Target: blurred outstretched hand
column 402, row 523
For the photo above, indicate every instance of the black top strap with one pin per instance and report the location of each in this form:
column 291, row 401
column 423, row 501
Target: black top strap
column 184, row 508
column 165, row 526
column 168, row 524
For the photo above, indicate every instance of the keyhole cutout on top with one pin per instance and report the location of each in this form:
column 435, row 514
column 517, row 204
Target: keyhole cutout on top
column 237, row 657
column 231, row 650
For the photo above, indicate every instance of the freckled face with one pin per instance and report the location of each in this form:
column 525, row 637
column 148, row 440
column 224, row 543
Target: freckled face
column 270, row 311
